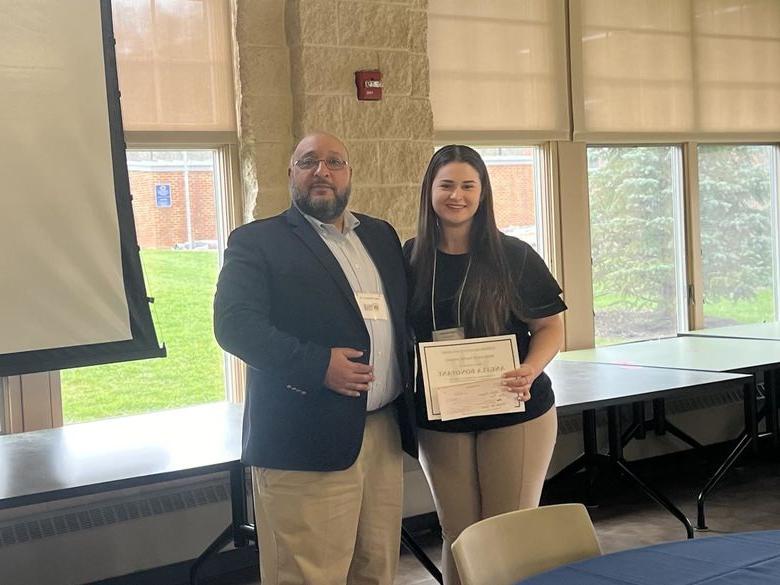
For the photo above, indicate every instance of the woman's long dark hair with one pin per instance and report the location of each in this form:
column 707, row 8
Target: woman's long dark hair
column 489, row 297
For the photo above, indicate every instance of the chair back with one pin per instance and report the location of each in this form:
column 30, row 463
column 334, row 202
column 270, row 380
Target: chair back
column 507, row 548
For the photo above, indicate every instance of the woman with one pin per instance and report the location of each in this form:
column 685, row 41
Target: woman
column 469, row 280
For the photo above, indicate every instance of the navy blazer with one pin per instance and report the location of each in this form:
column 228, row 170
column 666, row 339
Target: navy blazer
column 282, row 302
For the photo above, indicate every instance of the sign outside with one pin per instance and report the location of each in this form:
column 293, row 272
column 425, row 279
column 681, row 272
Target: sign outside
column 162, row 195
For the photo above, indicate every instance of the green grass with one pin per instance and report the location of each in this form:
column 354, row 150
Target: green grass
column 759, row 308
column 182, row 284
column 753, row 310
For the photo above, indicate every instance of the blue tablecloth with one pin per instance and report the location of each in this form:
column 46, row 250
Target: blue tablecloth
column 748, row 558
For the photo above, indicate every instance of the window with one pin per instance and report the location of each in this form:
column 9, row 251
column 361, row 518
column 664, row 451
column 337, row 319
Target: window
column 174, row 61
column 517, row 179
column 636, row 242
column 738, row 224
column 174, row 204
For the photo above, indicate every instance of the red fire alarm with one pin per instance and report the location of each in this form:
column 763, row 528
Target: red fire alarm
column 369, row 84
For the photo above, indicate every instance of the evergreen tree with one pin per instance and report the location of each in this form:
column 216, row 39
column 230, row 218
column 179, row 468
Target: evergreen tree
column 632, row 225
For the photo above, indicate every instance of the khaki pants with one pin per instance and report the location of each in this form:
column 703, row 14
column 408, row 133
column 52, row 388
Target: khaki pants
column 334, row 527
column 474, row 476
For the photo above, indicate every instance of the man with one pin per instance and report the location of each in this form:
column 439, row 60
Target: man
column 314, row 301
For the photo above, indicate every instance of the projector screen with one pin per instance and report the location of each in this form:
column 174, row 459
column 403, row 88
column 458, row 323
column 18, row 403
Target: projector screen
column 72, row 291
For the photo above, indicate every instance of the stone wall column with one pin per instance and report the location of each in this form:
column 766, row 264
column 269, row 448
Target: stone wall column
column 296, row 74
column 264, row 100
column 389, row 141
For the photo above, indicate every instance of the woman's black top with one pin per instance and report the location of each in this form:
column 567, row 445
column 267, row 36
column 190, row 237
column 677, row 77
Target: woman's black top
column 539, row 294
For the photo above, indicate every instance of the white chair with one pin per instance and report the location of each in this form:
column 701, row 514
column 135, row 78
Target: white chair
column 507, row 548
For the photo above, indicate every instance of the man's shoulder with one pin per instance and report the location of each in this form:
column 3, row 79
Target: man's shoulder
column 369, row 219
column 259, row 228
column 375, row 224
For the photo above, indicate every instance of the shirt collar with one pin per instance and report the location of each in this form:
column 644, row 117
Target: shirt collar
column 350, row 223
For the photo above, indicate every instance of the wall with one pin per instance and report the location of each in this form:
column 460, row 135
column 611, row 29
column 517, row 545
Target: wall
column 91, row 538
column 296, row 67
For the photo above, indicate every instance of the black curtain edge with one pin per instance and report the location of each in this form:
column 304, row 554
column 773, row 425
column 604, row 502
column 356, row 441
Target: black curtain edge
column 45, row 360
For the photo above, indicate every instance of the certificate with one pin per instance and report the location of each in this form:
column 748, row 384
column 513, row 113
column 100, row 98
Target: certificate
column 463, row 377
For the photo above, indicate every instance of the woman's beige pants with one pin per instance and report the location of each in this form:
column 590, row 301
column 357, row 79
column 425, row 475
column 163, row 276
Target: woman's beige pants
column 478, row 475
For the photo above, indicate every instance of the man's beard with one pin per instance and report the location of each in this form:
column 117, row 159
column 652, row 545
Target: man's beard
column 325, row 209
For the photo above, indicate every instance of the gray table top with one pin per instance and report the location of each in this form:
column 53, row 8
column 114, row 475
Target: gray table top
column 752, row 331
column 121, row 452
column 686, row 353
column 580, row 386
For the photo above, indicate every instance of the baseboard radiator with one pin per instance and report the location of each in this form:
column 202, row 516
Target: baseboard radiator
column 105, row 513
column 572, row 423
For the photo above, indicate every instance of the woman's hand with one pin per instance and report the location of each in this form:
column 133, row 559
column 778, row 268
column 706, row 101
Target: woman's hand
column 519, row 381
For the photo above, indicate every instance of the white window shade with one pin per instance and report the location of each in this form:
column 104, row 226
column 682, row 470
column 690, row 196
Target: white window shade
column 737, row 53
column 167, row 49
column 676, row 69
column 498, row 69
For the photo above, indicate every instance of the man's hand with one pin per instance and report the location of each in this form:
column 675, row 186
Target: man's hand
column 519, row 381
column 345, row 376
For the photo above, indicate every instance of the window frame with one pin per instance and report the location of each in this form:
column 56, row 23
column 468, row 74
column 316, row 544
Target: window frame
column 229, row 208
column 696, row 277
column 34, row 401
column 680, row 215
column 690, row 291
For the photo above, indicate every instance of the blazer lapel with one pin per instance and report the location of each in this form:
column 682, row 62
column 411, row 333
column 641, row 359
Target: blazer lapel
column 303, row 229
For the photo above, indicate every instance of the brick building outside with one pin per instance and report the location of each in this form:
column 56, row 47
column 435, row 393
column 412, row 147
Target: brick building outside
column 513, row 192
column 512, row 178
column 162, row 192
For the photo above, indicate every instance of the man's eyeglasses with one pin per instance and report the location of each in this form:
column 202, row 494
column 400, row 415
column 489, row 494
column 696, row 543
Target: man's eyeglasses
column 333, row 163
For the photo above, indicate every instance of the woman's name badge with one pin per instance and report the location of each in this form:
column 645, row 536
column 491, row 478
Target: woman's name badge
column 372, row 306
column 449, row 334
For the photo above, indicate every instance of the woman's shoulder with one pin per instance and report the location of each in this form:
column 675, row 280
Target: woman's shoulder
column 515, row 246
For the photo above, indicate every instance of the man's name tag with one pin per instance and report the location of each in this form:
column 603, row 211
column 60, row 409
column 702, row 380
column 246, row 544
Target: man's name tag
column 372, row 306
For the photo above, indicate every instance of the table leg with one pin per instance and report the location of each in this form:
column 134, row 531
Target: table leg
column 616, row 459
column 750, row 401
column 661, row 425
column 657, row 496
column 239, row 531
column 639, row 419
column 591, row 454
column 676, row 431
column 748, row 437
column 742, row 444
column 659, row 416
column 238, row 504
column 614, row 433
column 770, row 387
column 219, row 543
column 411, row 545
